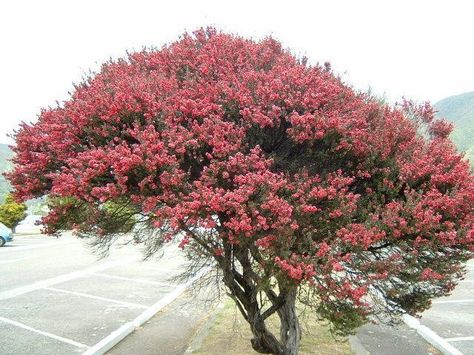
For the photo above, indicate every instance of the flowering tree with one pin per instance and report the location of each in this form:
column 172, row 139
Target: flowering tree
column 296, row 186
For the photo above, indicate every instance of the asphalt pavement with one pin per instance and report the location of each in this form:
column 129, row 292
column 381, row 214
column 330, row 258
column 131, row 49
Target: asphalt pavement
column 57, row 297
column 447, row 327
column 452, row 317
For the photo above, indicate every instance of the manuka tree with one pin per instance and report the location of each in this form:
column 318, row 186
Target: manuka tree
column 295, row 185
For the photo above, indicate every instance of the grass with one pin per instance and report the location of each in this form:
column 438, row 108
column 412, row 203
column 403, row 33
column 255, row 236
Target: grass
column 230, row 335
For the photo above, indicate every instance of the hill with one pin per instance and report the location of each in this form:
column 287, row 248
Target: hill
column 459, row 110
column 5, row 165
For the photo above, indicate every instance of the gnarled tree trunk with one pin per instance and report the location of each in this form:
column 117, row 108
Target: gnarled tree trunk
column 245, row 285
column 290, row 331
column 264, row 341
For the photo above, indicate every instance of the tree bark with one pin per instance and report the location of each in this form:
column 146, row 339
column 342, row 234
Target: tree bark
column 263, row 341
column 290, row 331
column 244, row 287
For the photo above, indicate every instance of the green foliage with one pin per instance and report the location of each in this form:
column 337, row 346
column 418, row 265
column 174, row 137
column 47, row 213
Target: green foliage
column 11, row 212
column 118, row 215
column 114, row 216
column 459, row 110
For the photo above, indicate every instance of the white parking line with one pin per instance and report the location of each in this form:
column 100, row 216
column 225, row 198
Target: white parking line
column 11, row 261
column 58, row 279
column 459, row 339
column 158, row 283
column 116, row 336
column 455, row 301
column 46, row 245
column 53, row 336
column 128, row 304
column 153, row 268
column 430, row 336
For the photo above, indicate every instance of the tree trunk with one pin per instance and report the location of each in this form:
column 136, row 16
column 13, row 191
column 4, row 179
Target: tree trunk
column 263, row 341
column 243, row 288
column 290, row 331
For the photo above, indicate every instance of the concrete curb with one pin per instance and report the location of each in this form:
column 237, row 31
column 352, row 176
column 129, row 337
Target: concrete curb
column 204, row 330
column 118, row 335
column 430, row 336
column 357, row 346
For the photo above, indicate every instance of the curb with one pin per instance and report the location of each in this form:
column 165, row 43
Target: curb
column 204, row 330
column 430, row 336
column 118, row 335
column 357, row 346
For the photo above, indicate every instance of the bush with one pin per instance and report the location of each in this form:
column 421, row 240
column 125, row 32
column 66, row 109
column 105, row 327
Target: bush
column 11, row 212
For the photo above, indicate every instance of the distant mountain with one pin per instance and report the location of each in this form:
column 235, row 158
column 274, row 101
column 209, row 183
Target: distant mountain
column 459, row 110
column 5, row 165
column 35, row 206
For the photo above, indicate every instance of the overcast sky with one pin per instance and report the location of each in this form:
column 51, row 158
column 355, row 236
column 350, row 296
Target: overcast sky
column 418, row 49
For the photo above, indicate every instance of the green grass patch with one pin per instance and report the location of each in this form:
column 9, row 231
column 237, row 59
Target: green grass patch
column 230, row 334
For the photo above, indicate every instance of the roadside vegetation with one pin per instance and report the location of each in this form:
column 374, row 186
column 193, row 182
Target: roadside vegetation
column 229, row 335
column 12, row 212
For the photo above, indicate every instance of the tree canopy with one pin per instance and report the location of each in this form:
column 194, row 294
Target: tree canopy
column 291, row 182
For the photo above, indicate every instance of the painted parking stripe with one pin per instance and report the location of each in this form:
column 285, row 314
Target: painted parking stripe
column 11, row 261
column 454, row 301
column 13, row 248
column 29, row 258
column 154, row 268
column 127, row 304
column 157, row 283
column 430, row 336
column 117, row 335
column 460, row 339
column 53, row 336
column 58, row 279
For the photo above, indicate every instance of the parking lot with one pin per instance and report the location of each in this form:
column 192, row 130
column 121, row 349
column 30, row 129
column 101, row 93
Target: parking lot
column 452, row 317
column 56, row 297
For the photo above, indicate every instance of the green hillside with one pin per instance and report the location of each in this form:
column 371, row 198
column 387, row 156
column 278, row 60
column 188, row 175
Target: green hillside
column 5, row 165
column 459, row 110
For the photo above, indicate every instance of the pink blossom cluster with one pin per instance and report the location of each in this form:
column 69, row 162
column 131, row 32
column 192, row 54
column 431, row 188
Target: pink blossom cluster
column 241, row 137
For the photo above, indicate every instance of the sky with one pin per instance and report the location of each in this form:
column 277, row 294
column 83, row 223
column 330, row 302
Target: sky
column 418, row 49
